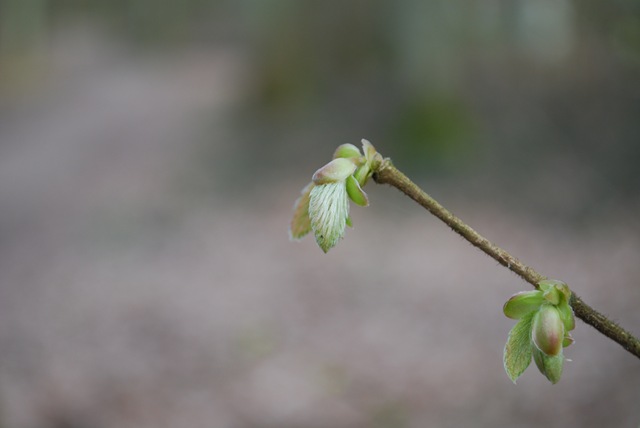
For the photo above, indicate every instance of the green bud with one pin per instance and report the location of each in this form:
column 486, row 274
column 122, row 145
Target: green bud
column 362, row 174
column 347, row 151
column 547, row 284
column 335, row 171
column 551, row 295
column 550, row 366
column 548, row 330
column 355, row 192
column 564, row 289
column 558, row 294
column 555, row 291
column 523, row 303
column 324, row 205
column 551, row 318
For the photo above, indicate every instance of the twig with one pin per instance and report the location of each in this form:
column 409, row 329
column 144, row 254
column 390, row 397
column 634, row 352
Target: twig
column 386, row 173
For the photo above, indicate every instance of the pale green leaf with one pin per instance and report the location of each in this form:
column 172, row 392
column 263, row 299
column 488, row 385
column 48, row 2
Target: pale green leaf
column 301, row 223
column 517, row 351
column 523, row 303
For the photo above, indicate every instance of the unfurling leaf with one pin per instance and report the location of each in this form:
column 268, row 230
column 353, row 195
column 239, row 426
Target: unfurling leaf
column 301, row 223
column 328, row 211
column 523, row 303
column 324, row 204
column 517, row 351
column 336, row 170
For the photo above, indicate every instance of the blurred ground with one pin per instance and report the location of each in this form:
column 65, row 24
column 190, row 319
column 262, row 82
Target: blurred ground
column 146, row 278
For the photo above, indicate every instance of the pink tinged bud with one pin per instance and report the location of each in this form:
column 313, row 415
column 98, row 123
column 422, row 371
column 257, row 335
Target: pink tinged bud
column 347, row 151
column 336, row 170
column 355, row 192
column 523, row 303
column 548, row 330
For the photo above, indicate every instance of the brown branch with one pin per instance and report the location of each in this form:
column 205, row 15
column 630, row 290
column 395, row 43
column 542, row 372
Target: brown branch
column 386, row 173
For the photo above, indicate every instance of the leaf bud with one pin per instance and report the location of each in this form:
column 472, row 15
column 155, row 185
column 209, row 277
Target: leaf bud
column 347, row 151
column 523, row 303
column 548, row 330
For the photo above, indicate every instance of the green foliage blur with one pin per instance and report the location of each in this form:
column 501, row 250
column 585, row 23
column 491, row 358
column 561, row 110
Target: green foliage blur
column 447, row 88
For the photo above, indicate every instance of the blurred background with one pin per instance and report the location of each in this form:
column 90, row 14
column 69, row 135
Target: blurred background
column 150, row 155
